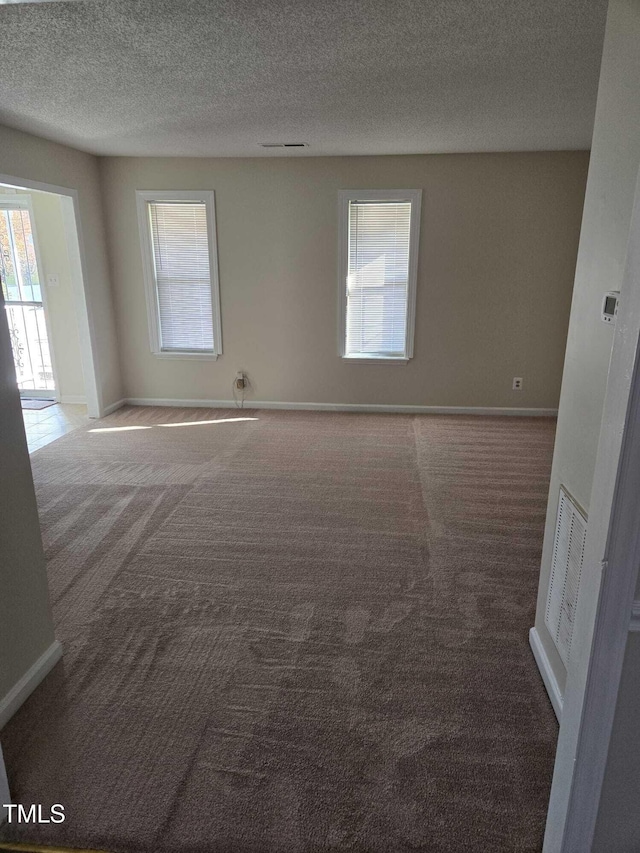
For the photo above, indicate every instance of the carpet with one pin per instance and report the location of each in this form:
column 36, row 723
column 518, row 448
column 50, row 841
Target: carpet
column 291, row 631
column 33, row 404
column 16, row 847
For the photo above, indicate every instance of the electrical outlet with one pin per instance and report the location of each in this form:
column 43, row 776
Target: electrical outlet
column 240, row 381
column 517, row 383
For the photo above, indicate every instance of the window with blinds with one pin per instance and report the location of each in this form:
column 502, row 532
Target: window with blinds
column 181, row 272
column 378, row 271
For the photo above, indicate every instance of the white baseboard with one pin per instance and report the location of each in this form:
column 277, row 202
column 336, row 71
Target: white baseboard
column 549, row 679
column 21, row 691
column 71, row 398
column 113, row 407
column 342, row 407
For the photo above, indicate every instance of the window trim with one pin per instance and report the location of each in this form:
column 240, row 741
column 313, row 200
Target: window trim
column 207, row 197
column 344, row 197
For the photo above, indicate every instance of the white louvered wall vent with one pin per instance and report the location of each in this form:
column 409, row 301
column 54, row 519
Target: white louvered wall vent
column 566, row 571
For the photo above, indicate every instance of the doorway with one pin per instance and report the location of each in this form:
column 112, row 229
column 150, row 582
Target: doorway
column 39, row 303
column 24, row 300
column 60, row 316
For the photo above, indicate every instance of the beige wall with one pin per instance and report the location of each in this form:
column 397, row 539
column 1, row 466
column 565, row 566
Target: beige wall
column 60, row 301
column 26, row 629
column 497, row 257
column 33, row 159
column 615, row 157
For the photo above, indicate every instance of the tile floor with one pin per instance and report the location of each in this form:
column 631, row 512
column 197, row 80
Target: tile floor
column 45, row 425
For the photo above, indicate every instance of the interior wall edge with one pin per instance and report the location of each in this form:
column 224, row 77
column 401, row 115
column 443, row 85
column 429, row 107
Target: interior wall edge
column 25, row 686
column 34, row 162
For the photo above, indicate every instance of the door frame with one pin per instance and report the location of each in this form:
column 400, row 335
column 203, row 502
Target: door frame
column 607, row 608
column 70, row 206
column 24, row 202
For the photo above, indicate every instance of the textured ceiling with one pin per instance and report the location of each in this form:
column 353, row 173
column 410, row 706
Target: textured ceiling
column 216, row 77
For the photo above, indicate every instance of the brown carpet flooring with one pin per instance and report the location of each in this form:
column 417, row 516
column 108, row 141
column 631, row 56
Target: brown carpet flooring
column 302, row 632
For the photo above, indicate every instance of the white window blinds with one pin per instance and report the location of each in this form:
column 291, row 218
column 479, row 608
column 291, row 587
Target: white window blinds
column 180, row 248
column 377, row 286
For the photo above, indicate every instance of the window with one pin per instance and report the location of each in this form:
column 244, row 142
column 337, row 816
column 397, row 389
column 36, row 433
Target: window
column 177, row 232
column 379, row 232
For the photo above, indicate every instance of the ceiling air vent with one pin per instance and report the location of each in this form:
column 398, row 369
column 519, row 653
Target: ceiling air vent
column 283, row 144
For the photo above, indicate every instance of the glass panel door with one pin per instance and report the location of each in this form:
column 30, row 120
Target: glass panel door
column 23, row 302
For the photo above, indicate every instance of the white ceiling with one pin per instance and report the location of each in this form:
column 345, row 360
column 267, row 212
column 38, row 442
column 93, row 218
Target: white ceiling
column 217, row 77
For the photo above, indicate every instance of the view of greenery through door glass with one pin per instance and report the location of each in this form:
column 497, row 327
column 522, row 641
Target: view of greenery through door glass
column 23, row 301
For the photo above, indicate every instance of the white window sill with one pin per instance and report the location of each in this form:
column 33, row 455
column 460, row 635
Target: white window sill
column 193, row 356
column 374, row 359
